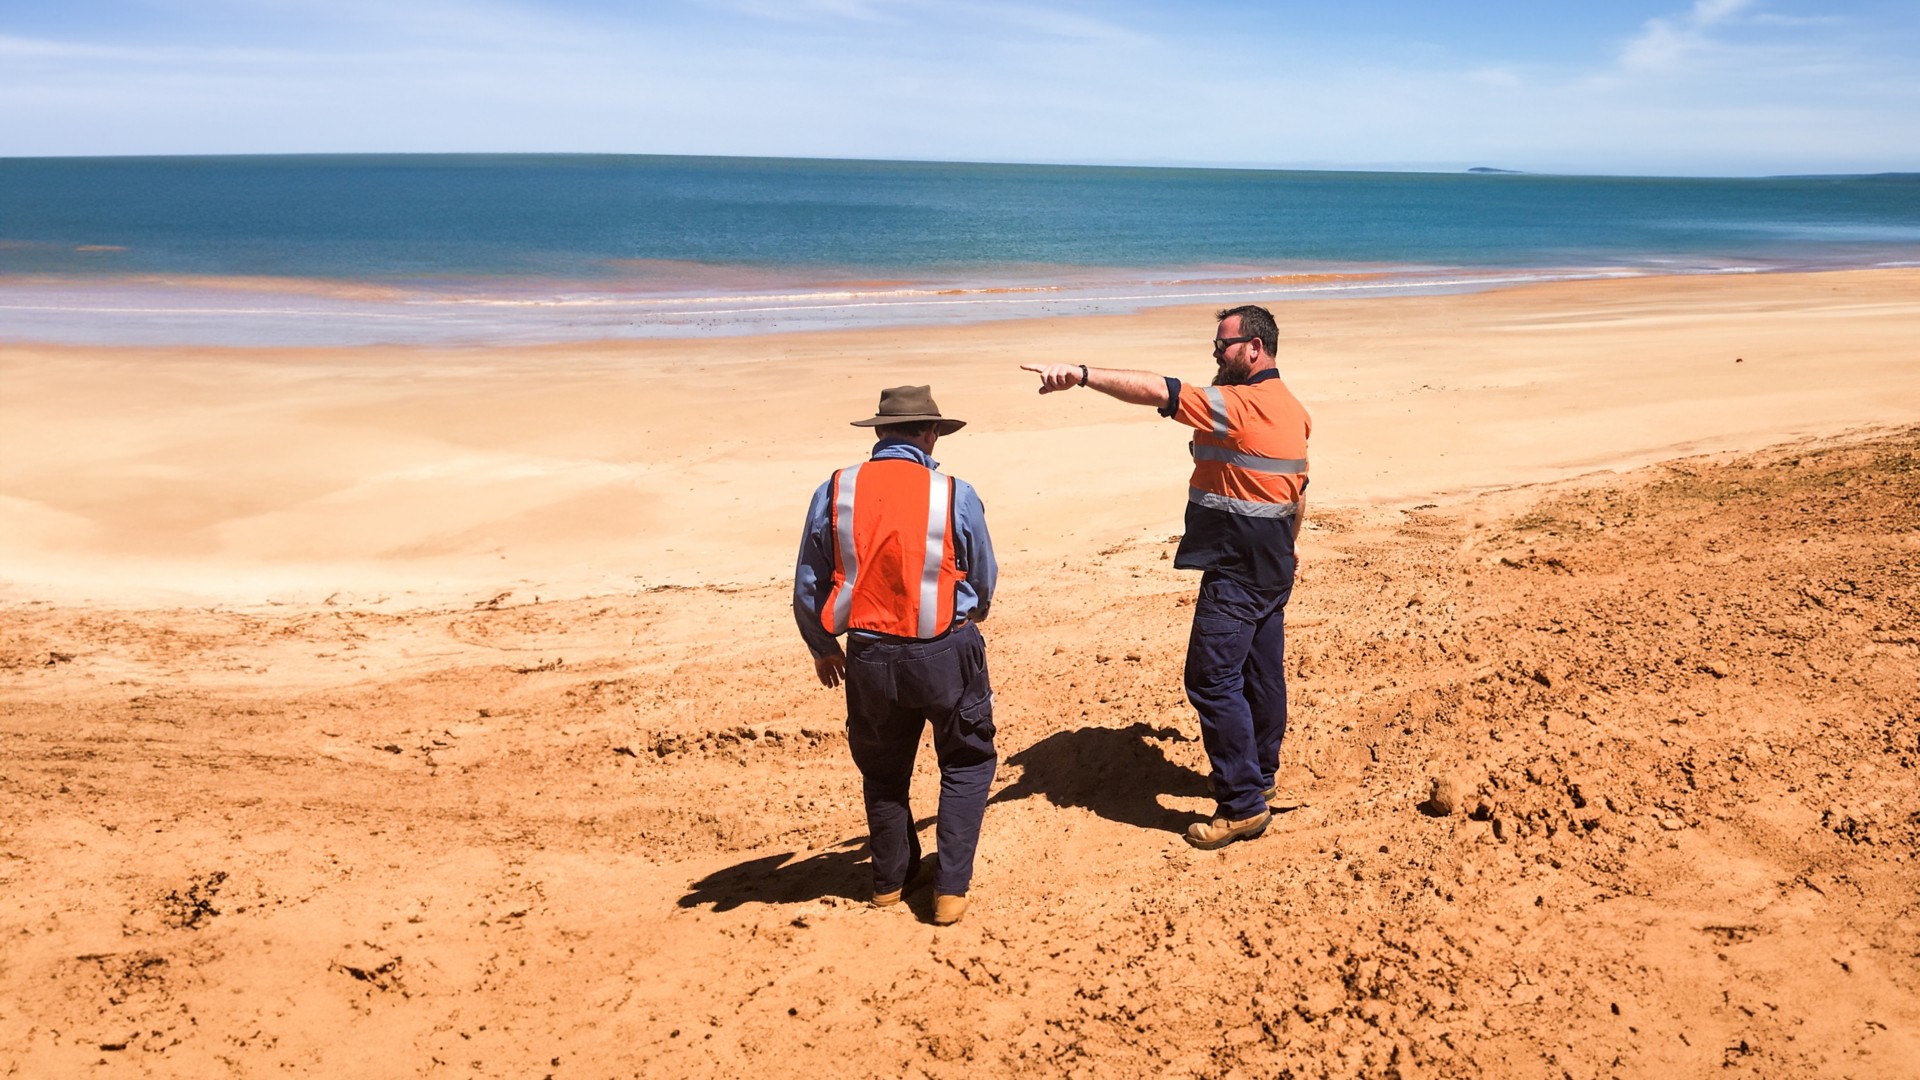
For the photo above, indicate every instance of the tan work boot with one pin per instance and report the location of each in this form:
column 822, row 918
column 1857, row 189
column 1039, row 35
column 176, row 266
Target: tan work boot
column 1220, row 832
column 921, row 877
column 948, row 909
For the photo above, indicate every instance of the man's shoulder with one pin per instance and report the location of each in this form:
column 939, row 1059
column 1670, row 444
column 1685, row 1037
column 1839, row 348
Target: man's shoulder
column 825, row 490
column 963, row 491
column 1273, row 389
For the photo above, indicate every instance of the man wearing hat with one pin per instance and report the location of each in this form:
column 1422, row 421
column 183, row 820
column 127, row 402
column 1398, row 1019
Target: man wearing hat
column 896, row 556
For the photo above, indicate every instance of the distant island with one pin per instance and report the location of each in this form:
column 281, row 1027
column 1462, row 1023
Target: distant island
column 1485, row 169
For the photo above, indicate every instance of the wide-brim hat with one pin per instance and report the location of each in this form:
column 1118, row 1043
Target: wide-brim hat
column 910, row 405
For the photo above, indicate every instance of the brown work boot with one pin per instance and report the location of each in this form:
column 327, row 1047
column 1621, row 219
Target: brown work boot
column 1220, row 832
column 922, row 877
column 948, row 909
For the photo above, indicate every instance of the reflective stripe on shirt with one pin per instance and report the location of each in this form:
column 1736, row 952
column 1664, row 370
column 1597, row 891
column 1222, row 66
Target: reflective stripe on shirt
column 1217, row 404
column 1253, row 462
column 1242, row 507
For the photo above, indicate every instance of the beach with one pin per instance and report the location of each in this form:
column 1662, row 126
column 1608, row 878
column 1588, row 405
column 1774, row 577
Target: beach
column 258, row 476
column 397, row 709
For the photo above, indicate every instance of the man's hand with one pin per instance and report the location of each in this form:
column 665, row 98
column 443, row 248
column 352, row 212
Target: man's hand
column 830, row 669
column 1132, row 387
column 1055, row 376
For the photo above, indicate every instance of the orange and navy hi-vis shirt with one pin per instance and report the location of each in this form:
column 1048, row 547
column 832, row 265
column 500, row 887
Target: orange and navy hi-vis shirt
column 894, row 569
column 1249, row 472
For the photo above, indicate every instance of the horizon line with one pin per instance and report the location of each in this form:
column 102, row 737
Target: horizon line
column 1411, row 168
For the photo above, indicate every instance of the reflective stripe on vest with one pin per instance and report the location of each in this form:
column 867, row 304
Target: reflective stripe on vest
column 894, row 567
column 939, row 491
column 845, row 554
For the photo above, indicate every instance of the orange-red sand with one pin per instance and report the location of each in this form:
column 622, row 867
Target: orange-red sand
column 400, row 712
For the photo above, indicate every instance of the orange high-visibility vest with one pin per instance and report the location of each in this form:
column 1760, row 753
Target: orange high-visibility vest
column 1249, row 448
column 893, row 563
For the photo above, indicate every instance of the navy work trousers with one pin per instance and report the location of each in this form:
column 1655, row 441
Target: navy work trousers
column 894, row 689
column 1237, row 682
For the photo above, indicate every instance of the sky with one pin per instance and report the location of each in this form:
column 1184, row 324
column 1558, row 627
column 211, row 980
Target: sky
column 1630, row 87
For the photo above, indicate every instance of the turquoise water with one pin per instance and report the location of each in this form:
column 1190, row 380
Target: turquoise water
column 533, row 247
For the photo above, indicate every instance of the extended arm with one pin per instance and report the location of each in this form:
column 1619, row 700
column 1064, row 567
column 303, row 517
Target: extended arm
column 1132, row 387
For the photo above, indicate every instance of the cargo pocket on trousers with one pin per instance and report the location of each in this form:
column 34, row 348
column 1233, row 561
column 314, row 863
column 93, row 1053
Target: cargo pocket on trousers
column 975, row 727
column 1216, row 651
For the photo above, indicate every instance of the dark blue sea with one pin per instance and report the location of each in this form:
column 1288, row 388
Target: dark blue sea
column 521, row 248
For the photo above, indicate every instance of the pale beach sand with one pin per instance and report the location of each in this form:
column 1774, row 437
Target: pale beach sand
column 395, row 712
column 136, row 475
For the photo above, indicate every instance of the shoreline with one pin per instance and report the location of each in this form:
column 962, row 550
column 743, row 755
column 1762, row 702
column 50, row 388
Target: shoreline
column 670, row 302
column 439, row 475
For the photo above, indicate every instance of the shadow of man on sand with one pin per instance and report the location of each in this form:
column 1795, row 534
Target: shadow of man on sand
column 840, row 871
column 1114, row 772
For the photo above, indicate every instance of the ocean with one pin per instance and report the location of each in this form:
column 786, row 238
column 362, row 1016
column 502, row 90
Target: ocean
column 452, row 249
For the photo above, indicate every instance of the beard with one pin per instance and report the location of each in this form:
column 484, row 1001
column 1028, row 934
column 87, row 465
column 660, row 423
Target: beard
column 1229, row 373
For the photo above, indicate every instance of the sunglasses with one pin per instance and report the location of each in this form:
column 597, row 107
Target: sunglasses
column 1220, row 343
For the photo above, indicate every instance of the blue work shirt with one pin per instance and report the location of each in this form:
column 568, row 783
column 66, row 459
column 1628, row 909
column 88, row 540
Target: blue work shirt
column 972, row 552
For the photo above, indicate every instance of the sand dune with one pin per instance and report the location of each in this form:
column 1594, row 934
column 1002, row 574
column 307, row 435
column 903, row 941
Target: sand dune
column 453, row 813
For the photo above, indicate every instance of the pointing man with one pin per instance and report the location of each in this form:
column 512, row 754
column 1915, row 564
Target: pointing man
column 897, row 557
column 1244, row 506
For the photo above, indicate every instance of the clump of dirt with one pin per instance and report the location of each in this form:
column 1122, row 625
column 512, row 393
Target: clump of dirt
column 194, row 908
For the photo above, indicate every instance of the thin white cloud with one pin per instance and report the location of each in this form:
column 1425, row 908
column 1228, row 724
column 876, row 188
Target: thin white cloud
column 20, row 48
column 1708, row 12
column 815, row 12
column 1767, row 18
column 1669, row 42
column 1004, row 21
column 37, row 49
column 323, row 24
column 1059, row 24
column 104, row 62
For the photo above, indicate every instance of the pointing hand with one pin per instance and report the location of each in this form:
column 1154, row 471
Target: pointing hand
column 1055, row 376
